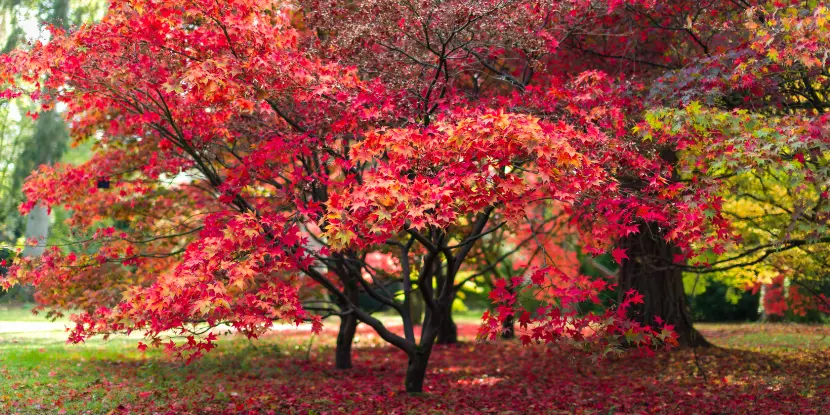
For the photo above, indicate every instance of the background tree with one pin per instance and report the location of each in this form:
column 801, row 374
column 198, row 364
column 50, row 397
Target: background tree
column 28, row 143
column 761, row 104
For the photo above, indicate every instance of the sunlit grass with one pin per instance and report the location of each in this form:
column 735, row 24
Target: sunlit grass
column 36, row 369
column 23, row 313
column 756, row 336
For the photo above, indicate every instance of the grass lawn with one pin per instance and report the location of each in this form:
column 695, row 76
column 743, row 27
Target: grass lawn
column 22, row 313
column 759, row 368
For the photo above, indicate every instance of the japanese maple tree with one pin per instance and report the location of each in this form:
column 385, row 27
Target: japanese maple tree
column 209, row 174
column 583, row 62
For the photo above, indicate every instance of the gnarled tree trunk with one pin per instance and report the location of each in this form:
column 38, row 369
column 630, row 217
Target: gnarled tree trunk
column 650, row 271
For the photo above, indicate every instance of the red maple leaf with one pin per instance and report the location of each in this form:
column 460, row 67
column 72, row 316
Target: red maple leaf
column 619, row 255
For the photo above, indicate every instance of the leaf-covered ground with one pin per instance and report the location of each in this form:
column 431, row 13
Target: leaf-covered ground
column 773, row 369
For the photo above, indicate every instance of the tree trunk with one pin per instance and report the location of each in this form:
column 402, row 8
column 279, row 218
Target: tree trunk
column 37, row 227
column 348, row 325
column 447, row 331
column 649, row 270
column 416, row 368
column 508, row 331
column 345, row 338
column 417, row 308
column 416, row 371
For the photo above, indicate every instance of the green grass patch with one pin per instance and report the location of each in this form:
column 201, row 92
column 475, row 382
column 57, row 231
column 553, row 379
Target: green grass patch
column 24, row 314
column 101, row 376
column 769, row 336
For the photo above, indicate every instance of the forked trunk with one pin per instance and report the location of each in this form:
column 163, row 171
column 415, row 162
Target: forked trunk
column 649, row 270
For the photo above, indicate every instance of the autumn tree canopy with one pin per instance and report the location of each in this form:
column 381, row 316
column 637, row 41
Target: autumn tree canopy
column 252, row 154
